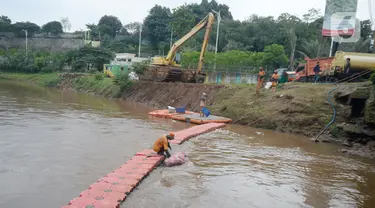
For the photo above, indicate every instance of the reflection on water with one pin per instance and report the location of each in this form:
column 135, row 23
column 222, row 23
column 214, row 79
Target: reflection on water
column 55, row 144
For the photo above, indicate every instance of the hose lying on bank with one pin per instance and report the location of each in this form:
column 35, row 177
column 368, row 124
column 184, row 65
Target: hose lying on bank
column 333, row 116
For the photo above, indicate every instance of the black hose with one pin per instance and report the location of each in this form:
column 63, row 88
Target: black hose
column 333, row 116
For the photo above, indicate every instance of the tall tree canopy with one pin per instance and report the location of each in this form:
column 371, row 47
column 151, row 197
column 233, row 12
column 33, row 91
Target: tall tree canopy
column 156, row 25
column 53, row 27
column 109, row 25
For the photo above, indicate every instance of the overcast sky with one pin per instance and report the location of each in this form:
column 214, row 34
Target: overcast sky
column 81, row 12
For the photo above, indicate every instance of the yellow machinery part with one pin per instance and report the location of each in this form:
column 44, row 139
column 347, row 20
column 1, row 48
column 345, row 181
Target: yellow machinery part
column 358, row 61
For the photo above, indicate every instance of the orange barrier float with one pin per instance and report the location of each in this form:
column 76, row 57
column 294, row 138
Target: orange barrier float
column 112, row 189
column 183, row 135
column 166, row 113
column 189, row 116
column 195, row 118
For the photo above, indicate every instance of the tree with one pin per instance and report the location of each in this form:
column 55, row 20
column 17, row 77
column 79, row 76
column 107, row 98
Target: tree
column 133, row 27
column 366, row 31
column 274, row 56
column 94, row 31
column 88, row 56
column 183, row 19
column 66, row 24
column 156, row 25
column 53, row 27
column 5, row 24
column 31, row 28
column 292, row 41
column 109, row 25
column 5, row 19
column 312, row 15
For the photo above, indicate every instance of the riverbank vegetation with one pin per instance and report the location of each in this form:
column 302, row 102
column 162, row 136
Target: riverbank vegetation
column 84, row 82
column 242, row 44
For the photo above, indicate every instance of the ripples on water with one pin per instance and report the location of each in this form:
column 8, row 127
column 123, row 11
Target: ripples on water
column 231, row 170
column 53, row 145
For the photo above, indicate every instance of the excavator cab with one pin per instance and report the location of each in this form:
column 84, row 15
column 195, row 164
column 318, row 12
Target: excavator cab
column 177, row 58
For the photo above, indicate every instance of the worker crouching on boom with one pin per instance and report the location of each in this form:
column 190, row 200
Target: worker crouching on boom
column 161, row 145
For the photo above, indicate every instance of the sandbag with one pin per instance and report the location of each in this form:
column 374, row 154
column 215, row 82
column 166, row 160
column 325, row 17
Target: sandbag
column 268, row 85
column 177, row 159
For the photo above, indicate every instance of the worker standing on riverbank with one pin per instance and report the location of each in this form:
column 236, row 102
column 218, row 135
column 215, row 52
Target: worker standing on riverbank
column 161, row 145
column 274, row 80
column 202, row 103
column 261, row 76
column 316, row 71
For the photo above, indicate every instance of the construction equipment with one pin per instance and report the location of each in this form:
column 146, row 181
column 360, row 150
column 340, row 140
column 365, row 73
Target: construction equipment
column 168, row 69
column 332, row 68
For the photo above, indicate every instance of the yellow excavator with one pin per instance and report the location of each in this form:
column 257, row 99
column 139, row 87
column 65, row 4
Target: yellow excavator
column 168, row 69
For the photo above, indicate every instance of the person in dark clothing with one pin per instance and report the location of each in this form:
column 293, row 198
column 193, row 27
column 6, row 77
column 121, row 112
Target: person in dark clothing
column 316, row 71
column 347, row 66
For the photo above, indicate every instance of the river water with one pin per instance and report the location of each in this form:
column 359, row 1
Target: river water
column 54, row 144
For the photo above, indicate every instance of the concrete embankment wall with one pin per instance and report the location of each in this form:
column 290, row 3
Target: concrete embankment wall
column 40, row 43
column 231, row 78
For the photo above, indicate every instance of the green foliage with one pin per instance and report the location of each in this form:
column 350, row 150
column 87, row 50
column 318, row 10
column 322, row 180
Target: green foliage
column 139, row 68
column 87, row 57
column 274, row 56
column 18, row 27
column 5, row 24
column 35, row 61
column 99, row 76
column 50, row 81
column 122, row 81
column 372, row 78
column 5, row 19
column 53, row 27
column 156, row 25
column 109, row 25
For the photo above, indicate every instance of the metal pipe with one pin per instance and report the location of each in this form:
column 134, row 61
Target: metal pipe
column 140, row 40
column 217, row 34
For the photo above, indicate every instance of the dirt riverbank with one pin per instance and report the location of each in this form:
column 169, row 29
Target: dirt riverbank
column 300, row 108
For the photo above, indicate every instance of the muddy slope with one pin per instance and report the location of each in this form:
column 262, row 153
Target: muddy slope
column 295, row 107
column 161, row 95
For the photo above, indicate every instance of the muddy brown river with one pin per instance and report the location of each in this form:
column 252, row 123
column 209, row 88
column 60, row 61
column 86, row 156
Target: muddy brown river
column 54, row 144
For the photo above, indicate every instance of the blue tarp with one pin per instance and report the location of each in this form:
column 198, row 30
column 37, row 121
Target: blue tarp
column 206, row 112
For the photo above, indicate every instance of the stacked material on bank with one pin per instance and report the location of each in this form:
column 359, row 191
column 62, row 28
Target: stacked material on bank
column 195, row 118
column 112, row 189
column 190, row 117
column 167, row 113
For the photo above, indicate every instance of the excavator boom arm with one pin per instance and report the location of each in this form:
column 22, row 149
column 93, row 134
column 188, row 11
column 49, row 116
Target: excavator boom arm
column 207, row 21
column 210, row 21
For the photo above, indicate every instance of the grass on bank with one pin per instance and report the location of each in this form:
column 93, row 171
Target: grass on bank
column 295, row 107
column 92, row 83
column 43, row 79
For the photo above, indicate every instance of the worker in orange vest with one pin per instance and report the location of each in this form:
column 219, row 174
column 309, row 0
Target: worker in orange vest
column 261, row 76
column 274, row 80
column 161, row 145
